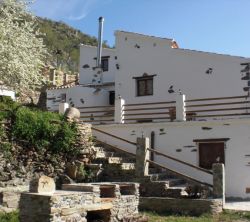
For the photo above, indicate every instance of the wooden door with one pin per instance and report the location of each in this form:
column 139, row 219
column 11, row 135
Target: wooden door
column 210, row 153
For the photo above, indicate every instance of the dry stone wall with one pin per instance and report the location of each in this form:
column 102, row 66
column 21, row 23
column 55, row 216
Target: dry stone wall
column 109, row 202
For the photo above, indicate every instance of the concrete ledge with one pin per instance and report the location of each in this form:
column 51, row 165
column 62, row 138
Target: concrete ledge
column 194, row 207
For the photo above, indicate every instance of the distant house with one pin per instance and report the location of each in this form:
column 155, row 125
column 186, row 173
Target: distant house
column 56, row 77
column 196, row 104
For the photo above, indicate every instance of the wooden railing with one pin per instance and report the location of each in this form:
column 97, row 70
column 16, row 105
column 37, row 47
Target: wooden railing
column 211, row 108
column 180, row 161
column 97, row 114
column 113, row 136
column 147, row 112
column 157, row 153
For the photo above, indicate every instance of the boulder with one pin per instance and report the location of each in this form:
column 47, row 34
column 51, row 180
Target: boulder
column 72, row 114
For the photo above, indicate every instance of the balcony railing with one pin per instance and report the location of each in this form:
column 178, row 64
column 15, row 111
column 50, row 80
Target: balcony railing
column 165, row 111
column 97, row 114
column 217, row 108
column 148, row 112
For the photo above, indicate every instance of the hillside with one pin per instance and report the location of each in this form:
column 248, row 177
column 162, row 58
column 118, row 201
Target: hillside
column 63, row 43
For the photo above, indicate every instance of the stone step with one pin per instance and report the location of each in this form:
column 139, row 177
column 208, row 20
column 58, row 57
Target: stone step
column 98, row 148
column 127, row 166
column 171, row 182
column 176, row 191
column 103, row 154
column 160, row 176
column 115, row 160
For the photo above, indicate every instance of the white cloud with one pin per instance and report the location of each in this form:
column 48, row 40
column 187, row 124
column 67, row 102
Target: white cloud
column 66, row 9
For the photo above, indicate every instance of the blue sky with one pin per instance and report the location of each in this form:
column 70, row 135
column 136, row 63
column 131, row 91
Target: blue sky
column 221, row 26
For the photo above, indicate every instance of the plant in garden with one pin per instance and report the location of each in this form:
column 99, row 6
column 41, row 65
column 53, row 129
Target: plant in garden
column 22, row 52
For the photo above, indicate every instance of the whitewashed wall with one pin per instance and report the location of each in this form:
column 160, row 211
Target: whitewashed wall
column 87, row 55
column 79, row 96
column 184, row 69
column 9, row 93
column 176, row 139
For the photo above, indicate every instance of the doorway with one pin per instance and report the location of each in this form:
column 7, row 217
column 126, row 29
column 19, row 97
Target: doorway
column 211, row 152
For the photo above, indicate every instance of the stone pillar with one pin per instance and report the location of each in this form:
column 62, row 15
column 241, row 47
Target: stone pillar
column 119, row 110
column 142, row 155
column 219, row 181
column 63, row 107
column 180, row 107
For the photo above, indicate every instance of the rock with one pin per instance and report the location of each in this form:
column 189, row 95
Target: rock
column 71, row 171
column 42, row 184
column 66, row 179
column 72, row 114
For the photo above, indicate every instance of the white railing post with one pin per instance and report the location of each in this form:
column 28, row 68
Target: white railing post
column 63, row 107
column 119, row 110
column 180, row 107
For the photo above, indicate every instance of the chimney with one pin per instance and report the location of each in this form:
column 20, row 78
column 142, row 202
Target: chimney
column 99, row 48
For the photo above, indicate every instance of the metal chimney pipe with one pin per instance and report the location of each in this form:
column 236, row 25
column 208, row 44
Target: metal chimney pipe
column 99, row 48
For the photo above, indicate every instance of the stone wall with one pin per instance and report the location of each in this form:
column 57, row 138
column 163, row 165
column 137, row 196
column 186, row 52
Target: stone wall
column 194, row 207
column 9, row 198
column 109, row 202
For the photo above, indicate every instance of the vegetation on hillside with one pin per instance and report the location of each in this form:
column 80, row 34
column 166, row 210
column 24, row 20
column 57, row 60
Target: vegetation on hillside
column 33, row 142
column 63, row 43
column 42, row 131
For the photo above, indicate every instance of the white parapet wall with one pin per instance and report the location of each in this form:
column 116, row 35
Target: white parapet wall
column 178, row 139
column 9, row 93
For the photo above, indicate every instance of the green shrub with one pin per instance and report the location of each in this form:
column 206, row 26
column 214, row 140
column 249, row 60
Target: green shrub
column 65, row 138
column 5, row 149
column 44, row 131
column 35, row 127
column 9, row 217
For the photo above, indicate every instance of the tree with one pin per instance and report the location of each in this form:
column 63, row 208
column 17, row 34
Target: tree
column 22, row 52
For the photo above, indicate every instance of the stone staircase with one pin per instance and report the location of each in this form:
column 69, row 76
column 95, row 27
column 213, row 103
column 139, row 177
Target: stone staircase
column 119, row 167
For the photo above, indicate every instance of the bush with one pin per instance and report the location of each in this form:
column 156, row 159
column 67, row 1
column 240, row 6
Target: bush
column 65, row 138
column 44, row 131
column 9, row 217
column 35, row 127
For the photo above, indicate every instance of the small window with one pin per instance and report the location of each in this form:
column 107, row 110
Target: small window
column 144, row 86
column 105, row 64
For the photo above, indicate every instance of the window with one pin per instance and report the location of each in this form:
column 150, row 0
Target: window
column 144, row 85
column 105, row 64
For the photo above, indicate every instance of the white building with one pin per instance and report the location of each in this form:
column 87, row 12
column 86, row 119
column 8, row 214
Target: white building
column 140, row 90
